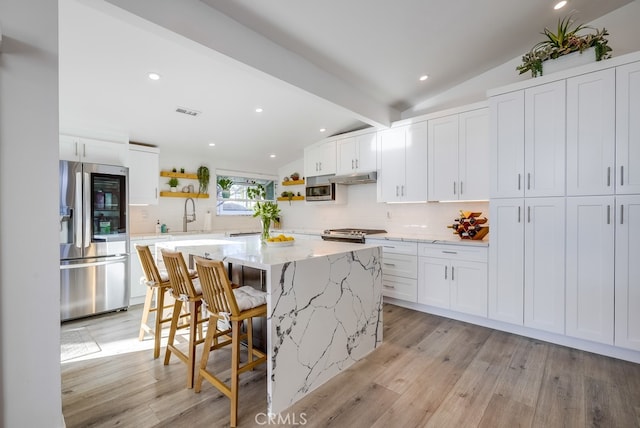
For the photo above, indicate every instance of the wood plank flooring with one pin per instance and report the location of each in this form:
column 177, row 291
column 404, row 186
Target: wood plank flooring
column 429, row 372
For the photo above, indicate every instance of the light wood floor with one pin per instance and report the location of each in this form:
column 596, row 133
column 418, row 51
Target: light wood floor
column 430, row 371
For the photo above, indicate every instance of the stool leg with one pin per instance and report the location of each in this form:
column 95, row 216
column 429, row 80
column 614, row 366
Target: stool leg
column 235, row 363
column 158, row 324
column 145, row 312
column 172, row 330
column 193, row 328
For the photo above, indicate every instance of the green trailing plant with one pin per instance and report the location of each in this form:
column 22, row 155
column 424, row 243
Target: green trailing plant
column 288, row 195
column 203, row 179
column 256, row 192
column 564, row 41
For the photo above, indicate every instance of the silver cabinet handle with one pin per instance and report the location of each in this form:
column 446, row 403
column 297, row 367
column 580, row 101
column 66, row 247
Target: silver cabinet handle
column 445, row 272
column 608, row 176
column 518, row 214
column 452, row 273
column 518, row 181
column 621, row 214
column 389, row 286
column 529, row 214
column 528, row 181
column 402, row 190
column 608, row 214
column 397, row 190
column 356, row 163
column 76, row 148
column 461, row 187
column 454, row 187
column 351, row 163
column 389, row 264
column 622, row 175
column 84, row 150
column 449, row 252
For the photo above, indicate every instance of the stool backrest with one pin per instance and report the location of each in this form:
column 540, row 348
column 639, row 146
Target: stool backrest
column 148, row 264
column 216, row 287
column 181, row 285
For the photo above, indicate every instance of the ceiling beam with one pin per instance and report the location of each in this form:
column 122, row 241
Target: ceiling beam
column 193, row 21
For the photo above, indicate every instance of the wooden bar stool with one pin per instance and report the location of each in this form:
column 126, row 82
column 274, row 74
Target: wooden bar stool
column 234, row 305
column 154, row 302
column 184, row 289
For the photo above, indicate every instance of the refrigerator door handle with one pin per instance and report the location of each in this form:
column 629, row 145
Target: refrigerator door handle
column 100, row 262
column 87, row 211
column 77, row 220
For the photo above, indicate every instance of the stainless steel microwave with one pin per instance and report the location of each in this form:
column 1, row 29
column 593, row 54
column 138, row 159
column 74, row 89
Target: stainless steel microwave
column 321, row 192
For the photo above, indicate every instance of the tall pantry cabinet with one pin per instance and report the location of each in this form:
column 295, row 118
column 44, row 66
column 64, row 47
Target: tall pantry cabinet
column 565, row 159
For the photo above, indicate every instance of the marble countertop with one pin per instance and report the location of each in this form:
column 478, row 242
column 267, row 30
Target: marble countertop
column 249, row 251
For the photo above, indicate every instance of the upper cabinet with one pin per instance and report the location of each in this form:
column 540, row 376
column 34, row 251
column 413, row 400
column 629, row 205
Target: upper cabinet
column 402, row 175
column 628, row 128
column 320, row 159
column 143, row 174
column 591, row 133
column 356, row 154
column 458, row 154
column 528, row 133
column 81, row 149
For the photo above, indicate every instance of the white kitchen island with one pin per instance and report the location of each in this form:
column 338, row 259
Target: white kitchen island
column 324, row 307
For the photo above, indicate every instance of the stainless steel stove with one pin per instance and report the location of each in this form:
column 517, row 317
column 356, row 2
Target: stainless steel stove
column 350, row 234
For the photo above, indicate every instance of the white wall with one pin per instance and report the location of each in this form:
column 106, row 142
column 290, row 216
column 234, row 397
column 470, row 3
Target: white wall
column 30, row 387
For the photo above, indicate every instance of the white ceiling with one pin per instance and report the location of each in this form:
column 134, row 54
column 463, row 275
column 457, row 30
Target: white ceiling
column 336, row 64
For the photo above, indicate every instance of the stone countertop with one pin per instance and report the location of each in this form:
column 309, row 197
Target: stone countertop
column 429, row 239
column 249, row 251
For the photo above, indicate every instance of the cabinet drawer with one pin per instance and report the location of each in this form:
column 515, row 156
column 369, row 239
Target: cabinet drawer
column 395, row 247
column 454, row 252
column 400, row 265
column 400, row 288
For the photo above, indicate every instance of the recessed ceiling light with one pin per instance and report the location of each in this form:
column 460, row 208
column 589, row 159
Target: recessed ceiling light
column 423, row 77
column 560, row 4
column 323, row 129
column 258, row 110
column 153, row 76
column 212, row 144
column 272, row 155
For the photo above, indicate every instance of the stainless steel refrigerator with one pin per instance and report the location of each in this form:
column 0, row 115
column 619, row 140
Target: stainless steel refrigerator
column 94, row 239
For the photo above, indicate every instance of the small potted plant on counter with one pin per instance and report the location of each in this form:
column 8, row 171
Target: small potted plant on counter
column 173, row 183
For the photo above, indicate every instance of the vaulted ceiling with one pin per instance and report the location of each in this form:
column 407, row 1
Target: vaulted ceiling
column 332, row 64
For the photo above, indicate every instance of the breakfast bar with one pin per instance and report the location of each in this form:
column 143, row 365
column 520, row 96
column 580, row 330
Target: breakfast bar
column 324, row 306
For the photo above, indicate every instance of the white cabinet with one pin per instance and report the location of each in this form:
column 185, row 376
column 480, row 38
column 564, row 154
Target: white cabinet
column 506, row 261
column 356, row 154
column 320, row 159
column 82, row 149
column 402, row 176
column 628, row 129
column 526, row 275
column 453, row 277
column 528, row 142
column 590, row 268
column 544, row 264
column 591, row 133
column 506, row 134
column 399, row 269
column 458, row 155
column 627, row 273
column 144, row 170
column 544, row 140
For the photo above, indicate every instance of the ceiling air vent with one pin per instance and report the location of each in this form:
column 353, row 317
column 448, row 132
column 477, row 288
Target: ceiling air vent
column 188, row 111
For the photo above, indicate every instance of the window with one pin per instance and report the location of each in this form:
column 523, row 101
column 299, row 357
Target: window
column 233, row 194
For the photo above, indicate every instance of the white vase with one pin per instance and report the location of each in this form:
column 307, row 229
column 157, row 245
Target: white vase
column 173, row 189
column 564, row 62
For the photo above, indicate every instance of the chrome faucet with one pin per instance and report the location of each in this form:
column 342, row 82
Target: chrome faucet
column 188, row 218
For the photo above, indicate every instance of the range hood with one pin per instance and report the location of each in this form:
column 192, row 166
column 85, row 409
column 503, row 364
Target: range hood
column 356, row 178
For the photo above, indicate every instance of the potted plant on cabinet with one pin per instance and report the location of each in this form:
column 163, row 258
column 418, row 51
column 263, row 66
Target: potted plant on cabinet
column 564, row 42
column 225, row 184
column 173, row 183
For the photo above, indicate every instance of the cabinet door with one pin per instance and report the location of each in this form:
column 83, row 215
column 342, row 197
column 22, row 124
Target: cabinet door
column 469, row 287
column 69, row 148
column 144, row 170
column 544, row 157
column 106, row 152
column 506, row 260
column 544, row 264
column 433, row 281
column 590, row 268
column 415, row 187
column 366, row 152
column 320, row 159
column 400, row 288
column 627, row 287
column 443, row 159
column 473, row 155
column 628, row 129
column 591, row 133
column 506, row 139
column 392, row 164
column 346, row 152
